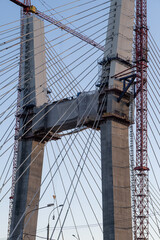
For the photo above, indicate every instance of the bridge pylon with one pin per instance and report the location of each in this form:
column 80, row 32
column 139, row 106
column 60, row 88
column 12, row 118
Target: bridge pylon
column 38, row 118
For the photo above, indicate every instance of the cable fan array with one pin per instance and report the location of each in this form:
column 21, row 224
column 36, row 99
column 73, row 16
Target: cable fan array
column 72, row 165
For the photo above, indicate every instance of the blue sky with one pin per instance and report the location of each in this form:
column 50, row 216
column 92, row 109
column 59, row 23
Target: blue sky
column 10, row 12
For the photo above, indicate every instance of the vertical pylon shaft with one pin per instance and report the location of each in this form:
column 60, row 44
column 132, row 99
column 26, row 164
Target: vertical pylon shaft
column 141, row 169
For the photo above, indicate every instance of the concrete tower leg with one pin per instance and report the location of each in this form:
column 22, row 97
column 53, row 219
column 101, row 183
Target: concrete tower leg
column 117, row 221
column 117, row 218
column 30, row 150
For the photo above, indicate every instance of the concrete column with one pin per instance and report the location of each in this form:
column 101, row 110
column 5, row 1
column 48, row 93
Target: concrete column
column 30, row 151
column 117, row 224
column 117, row 218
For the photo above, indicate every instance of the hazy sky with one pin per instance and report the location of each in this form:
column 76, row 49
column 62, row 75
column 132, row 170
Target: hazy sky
column 10, row 12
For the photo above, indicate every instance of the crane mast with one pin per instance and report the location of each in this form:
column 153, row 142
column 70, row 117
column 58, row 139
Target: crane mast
column 141, row 168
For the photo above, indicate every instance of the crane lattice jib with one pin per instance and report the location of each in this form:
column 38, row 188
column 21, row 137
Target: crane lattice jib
column 141, row 169
column 30, row 8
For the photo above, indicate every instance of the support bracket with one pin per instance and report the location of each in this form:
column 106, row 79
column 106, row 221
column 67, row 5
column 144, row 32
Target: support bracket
column 127, row 82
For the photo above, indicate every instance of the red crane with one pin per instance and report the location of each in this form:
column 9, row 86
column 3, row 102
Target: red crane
column 141, row 168
column 28, row 8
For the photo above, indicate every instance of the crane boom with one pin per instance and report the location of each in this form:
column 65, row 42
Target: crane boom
column 19, row 3
column 60, row 25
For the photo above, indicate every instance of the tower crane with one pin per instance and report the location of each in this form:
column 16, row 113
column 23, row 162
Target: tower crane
column 28, row 8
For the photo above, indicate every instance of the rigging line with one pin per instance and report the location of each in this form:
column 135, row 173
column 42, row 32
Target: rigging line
column 61, row 41
column 92, row 155
column 66, row 50
column 154, row 54
column 155, row 66
column 155, row 204
column 6, row 54
column 155, row 115
column 28, row 94
column 64, row 192
column 63, row 65
column 44, row 178
column 83, row 31
column 53, row 9
column 9, row 114
column 155, row 88
column 9, row 36
column 54, row 39
column 154, row 200
column 8, row 127
column 87, row 168
column 151, row 97
column 75, row 29
column 64, row 146
column 59, row 68
column 83, row 12
column 14, row 64
column 154, row 212
column 10, row 60
column 154, row 41
column 154, row 173
column 81, row 169
column 78, row 89
column 79, row 202
column 76, row 194
column 63, row 83
column 9, row 30
column 155, row 96
column 86, row 165
column 13, row 127
column 63, row 17
column 43, row 12
column 6, row 175
column 4, row 169
column 153, row 135
column 82, row 72
column 49, row 164
column 8, row 97
column 40, row 46
column 150, row 162
column 14, row 106
column 29, row 217
column 49, row 15
column 154, row 45
column 150, row 66
column 6, row 73
column 154, row 106
column 56, row 44
column 5, row 80
column 154, row 190
column 152, row 227
column 153, row 121
column 55, row 28
column 72, row 69
column 38, row 145
column 153, row 152
column 75, row 92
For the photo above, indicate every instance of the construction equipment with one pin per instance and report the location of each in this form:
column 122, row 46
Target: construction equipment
column 32, row 9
